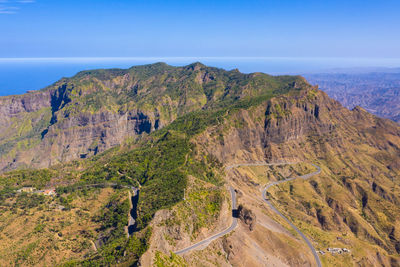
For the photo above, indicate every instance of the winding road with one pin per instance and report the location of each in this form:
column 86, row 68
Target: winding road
column 264, row 194
column 208, row 240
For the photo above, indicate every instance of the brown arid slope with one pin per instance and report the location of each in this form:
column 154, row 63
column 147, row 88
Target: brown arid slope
column 258, row 240
column 354, row 202
column 46, row 233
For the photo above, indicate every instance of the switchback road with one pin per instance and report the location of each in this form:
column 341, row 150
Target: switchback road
column 264, row 194
column 208, row 240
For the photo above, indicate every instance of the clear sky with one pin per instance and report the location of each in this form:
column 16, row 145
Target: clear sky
column 223, row 28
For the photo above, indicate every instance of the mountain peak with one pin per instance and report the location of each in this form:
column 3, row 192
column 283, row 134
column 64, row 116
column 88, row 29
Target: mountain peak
column 196, row 66
column 172, row 130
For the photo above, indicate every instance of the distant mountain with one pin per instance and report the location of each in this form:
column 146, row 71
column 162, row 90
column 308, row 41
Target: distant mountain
column 377, row 92
column 357, row 70
column 179, row 135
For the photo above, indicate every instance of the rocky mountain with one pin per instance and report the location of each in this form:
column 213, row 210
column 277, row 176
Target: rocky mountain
column 377, row 92
column 96, row 110
column 184, row 136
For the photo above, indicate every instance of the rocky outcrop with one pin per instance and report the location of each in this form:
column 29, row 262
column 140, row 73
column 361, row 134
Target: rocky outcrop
column 95, row 110
column 12, row 107
column 360, row 152
column 63, row 136
column 247, row 217
column 88, row 134
column 307, row 116
column 292, row 120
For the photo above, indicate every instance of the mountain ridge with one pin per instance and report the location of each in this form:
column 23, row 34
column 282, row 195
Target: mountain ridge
column 179, row 169
column 136, row 100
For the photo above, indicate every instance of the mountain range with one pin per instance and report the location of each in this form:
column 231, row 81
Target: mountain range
column 183, row 136
column 378, row 91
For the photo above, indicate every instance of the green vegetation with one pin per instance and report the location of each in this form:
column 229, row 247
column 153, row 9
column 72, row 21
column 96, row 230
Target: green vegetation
column 28, row 177
column 115, row 248
column 113, row 219
column 173, row 260
column 157, row 168
column 24, row 132
column 27, row 201
column 114, row 215
column 172, row 91
column 190, row 99
column 204, row 205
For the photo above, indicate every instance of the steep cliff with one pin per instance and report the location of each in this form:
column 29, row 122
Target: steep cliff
column 95, row 110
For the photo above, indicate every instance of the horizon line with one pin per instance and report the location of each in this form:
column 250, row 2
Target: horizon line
column 191, row 58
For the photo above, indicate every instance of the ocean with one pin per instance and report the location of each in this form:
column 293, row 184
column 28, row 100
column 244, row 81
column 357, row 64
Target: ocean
column 18, row 76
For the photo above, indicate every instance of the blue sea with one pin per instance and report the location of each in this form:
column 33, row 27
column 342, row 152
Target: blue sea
column 18, row 75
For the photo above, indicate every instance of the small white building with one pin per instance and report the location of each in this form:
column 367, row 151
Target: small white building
column 26, row 189
column 49, row 192
column 338, row 250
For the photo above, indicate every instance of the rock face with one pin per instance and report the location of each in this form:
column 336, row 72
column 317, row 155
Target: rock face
column 280, row 127
column 88, row 134
column 214, row 118
column 12, row 107
column 360, row 154
column 30, row 102
column 61, row 136
column 95, row 110
column 247, row 217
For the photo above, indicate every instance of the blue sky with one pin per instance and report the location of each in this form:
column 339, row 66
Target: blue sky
column 150, row 28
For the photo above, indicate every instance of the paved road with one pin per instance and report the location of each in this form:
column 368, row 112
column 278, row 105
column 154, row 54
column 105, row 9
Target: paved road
column 208, row 240
column 264, row 194
column 259, row 164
